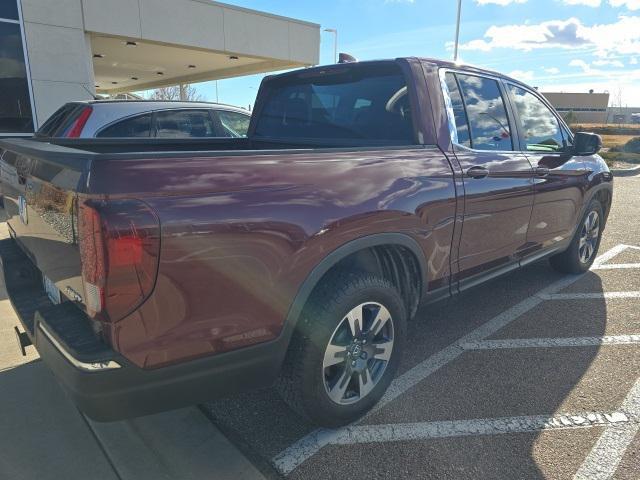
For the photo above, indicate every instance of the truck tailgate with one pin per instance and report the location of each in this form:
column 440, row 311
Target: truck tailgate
column 39, row 185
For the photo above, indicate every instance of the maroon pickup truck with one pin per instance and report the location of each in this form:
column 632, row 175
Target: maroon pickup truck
column 155, row 273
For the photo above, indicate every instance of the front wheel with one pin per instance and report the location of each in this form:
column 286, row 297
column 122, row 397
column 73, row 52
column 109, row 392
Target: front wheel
column 346, row 349
column 582, row 252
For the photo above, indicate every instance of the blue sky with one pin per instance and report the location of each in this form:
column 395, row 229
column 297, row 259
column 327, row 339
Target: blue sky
column 568, row 45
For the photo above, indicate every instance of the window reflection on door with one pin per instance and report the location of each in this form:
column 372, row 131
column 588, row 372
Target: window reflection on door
column 486, row 112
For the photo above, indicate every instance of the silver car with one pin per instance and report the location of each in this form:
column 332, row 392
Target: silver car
column 145, row 119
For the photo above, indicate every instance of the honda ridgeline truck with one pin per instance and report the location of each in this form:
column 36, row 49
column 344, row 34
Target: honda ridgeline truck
column 155, row 273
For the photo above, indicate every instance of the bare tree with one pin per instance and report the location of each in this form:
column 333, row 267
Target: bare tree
column 177, row 92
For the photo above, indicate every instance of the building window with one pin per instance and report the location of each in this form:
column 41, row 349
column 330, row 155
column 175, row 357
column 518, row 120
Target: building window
column 9, row 9
column 16, row 115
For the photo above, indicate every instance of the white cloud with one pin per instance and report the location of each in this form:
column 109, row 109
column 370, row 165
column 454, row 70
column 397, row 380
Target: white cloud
column 613, row 63
column 590, row 70
column 587, row 71
column 588, row 3
column 580, row 64
column 630, row 4
column 633, row 61
column 552, row 70
column 499, row 2
column 621, row 37
column 522, row 75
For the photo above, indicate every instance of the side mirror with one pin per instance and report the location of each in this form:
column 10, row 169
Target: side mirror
column 587, row 143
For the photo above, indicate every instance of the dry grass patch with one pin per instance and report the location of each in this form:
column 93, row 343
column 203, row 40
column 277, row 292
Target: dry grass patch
column 609, row 141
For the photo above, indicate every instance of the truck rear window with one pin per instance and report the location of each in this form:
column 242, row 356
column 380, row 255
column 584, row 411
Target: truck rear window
column 359, row 103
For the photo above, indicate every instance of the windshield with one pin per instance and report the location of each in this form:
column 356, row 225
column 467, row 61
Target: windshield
column 361, row 103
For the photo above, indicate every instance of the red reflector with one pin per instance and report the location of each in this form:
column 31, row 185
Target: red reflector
column 120, row 247
column 75, row 129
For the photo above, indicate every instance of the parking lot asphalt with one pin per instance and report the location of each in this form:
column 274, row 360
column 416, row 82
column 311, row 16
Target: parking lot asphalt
column 533, row 375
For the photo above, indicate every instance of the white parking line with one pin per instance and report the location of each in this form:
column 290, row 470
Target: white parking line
column 587, row 296
column 553, row 342
column 307, row 446
column 603, row 460
column 615, row 266
column 401, row 432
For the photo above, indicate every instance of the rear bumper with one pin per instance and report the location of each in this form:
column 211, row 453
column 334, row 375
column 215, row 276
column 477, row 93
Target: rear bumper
column 104, row 384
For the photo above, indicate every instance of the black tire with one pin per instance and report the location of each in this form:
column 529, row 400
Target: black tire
column 570, row 260
column 303, row 383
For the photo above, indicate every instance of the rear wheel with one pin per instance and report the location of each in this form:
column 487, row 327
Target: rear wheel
column 346, row 349
column 582, row 252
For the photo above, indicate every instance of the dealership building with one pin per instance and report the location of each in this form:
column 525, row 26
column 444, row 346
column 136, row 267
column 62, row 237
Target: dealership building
column 53, row 52
column 587, row 107
column 591, row 107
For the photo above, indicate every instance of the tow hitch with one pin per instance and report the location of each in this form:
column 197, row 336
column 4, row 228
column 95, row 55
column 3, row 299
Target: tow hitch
column 23, row 340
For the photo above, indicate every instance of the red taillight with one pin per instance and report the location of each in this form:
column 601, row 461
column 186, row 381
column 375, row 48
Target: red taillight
column 119, row 248
column 75, row 129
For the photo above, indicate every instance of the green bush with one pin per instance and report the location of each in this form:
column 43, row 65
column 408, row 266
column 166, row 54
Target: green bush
column 633, row 145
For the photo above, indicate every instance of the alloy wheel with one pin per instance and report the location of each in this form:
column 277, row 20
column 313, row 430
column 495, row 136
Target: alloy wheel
column 589, row 236
column 358, row 353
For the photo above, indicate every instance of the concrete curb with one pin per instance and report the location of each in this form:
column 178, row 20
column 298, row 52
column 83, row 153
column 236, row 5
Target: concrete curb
column 178, row 444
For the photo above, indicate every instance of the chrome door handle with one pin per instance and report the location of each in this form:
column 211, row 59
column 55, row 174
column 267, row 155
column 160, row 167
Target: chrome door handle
column 542, row 171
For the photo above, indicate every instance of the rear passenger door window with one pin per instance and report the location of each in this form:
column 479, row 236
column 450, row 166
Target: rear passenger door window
column 540, row 128
column 486, row 113
column 134, row 127
column 184, row 124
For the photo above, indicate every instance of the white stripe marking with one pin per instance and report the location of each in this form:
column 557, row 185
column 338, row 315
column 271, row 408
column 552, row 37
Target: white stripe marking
column 603, row 460
column 358, row 434
column 615, row 266
column 461, row 428
column 309, row 445
column 553, row 342
column 588, row 296
column 605, row 257
column 618, row 249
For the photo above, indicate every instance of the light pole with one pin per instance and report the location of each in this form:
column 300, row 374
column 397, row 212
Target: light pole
column 335, row 42
column 455, row 52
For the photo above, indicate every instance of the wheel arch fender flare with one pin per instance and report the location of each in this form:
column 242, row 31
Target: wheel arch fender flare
column 340, row 253
column 603, row 187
